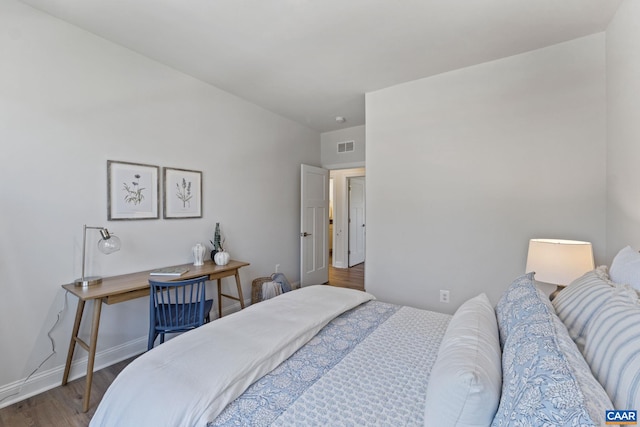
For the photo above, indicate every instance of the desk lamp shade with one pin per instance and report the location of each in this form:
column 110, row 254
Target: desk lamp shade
column 559, row 262
column 108, row 244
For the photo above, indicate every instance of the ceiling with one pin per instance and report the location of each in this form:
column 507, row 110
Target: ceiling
column 313, row 60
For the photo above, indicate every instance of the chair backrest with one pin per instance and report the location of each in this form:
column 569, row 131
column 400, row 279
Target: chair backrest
column 177, row 305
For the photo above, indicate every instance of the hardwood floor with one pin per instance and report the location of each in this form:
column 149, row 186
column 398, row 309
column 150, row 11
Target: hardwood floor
column 347, row 277
column 62, row 406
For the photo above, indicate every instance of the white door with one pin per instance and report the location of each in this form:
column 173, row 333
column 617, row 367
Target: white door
column 314, row 226
column 357, row 230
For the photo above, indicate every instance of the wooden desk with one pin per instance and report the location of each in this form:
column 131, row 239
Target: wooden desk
column 126, row 287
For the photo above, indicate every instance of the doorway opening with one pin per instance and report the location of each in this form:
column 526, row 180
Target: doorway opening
column 347, row 227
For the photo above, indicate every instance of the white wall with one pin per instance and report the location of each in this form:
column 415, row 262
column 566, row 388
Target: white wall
column 331, row 159
column 623, row 128
column 465, row 167
column 69, row 101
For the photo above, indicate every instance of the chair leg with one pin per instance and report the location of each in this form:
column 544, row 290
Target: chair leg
column 152, row 339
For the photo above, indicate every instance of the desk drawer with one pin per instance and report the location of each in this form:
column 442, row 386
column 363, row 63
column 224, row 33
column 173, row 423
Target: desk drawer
column 115, row 299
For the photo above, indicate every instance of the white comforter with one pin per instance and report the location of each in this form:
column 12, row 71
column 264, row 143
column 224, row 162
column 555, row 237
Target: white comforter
column 189, row 380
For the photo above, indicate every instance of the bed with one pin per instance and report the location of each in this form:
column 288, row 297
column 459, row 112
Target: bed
column 322, row 356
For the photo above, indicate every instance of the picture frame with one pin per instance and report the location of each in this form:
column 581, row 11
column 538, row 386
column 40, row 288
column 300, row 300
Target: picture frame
column 132, row 191
column 182, row 193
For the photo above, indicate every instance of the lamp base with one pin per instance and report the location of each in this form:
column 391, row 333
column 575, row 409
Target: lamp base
column 555, row 293
column 88, row 281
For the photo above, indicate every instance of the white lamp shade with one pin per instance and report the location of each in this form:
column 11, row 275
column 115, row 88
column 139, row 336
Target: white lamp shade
column 559, row 261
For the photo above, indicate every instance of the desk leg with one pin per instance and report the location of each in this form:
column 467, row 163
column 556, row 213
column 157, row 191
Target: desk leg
column 97, row 308
column 72, row 344
column 220, row 294
column 239, row 288
column 219, row 298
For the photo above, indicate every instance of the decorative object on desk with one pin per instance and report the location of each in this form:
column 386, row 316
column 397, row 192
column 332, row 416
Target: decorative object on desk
column 169, row 271
column 198, row 254
column 559, row 262
column 108, row 244
column 217, row 239
column 182, row 193
column 217, row 242
column 221, row 258
column 132, row 191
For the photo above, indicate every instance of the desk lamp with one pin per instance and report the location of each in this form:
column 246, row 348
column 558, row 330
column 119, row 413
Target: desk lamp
column 108, row 244
column 559, row 262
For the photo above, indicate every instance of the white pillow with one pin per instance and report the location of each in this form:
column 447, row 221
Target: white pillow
column 625, row 268
column 613, row 352
column 466, row 379
column 579, row 303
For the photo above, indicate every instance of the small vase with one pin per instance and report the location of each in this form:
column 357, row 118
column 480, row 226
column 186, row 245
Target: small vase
column 221, row 258
column 198, row 254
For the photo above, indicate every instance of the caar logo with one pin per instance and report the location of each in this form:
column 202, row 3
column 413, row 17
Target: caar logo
column 621, row 417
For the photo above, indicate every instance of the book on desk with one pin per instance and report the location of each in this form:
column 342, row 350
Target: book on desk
column 169, row 271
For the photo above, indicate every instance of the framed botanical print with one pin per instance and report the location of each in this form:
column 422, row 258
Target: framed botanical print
column 132, row 191
column 182, row 193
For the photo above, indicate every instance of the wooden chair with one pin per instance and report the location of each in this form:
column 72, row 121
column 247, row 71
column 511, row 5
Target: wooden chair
column 177, row 306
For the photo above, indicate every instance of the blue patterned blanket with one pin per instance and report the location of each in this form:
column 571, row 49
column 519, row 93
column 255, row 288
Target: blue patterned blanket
column 369, row 366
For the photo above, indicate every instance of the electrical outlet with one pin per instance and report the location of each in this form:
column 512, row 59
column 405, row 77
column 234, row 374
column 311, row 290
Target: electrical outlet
column 277, row 267
column 444, row 296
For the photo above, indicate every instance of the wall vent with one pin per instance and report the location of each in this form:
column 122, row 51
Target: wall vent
column 345, row 147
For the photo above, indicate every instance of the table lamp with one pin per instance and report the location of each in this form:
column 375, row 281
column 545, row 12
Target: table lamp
column 108, row 244
column 559, row 262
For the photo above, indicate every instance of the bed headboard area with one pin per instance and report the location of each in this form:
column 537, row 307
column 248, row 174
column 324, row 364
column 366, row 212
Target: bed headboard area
column 569, row 360
column 601, row 311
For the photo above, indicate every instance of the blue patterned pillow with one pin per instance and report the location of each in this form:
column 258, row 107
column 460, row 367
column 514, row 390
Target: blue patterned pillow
column 545, row 379
column 519, row 303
